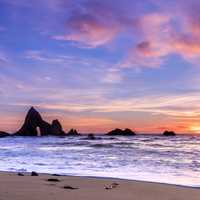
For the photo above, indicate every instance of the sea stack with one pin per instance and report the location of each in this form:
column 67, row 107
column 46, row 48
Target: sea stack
column 33, row 121
column 169, row 133
column 120, row 132
column 57, row 128
column 73, row 132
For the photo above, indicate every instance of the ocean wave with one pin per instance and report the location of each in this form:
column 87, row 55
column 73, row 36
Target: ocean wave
column 101, row 145
column 143, row 156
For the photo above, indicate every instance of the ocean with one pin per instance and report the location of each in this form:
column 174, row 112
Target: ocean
column 173, row 160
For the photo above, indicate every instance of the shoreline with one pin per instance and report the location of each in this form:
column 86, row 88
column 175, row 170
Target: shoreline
column 60, row 187
column 102, row 178
column 69, row 187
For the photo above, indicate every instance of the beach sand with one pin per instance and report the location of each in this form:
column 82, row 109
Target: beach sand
column 14, row 187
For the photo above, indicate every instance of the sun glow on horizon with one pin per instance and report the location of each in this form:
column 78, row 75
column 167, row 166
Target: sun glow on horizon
column 195, row 128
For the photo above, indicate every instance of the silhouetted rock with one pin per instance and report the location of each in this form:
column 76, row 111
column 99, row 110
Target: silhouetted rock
column 91, row 137
column 34, row 174
column 73, row 132
column 116, row 131
column 169, row 133
column 57, row 128
column 120, row 132
column 4, row 134
column 128, row 132
column 34, row 120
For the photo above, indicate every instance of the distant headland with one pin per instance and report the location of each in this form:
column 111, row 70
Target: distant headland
column 34, row 125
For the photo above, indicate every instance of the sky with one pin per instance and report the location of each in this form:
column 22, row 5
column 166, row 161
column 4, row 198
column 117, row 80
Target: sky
column 101, row 64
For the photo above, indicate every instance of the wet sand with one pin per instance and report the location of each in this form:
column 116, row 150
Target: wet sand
column 27, row 187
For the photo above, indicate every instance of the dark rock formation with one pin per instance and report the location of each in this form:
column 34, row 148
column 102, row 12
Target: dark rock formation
column 73, row 132
column 128, row 132
column 34, row 174
column 33, row 121
column 169, row 133
column 116, row 131
column 68, row 187
column 57, row 128
column 119, row 132
column 20, row 174
column 91, row 137
column 53, row 180
column 4, row 134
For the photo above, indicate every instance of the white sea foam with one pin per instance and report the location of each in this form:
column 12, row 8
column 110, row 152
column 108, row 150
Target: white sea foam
column 174, row 160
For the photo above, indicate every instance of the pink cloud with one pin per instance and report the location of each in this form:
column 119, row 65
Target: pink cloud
column 188, row 45
column 97, row 23
column 155, row 39
column 89, row 31
column 171, row 28
column 163, row 34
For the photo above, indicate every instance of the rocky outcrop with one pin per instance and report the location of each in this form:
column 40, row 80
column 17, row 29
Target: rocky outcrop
column 34, row 122
column 128, row 132
column 4, row 134
column 169, row 133
column 73, row 132
column 116, row 131
column 57, row 128
column 120, row 132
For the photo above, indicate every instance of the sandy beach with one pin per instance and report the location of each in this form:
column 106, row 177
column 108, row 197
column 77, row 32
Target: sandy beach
column 14, row 187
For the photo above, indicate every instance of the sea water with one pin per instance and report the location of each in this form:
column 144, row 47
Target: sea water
column 174, row 160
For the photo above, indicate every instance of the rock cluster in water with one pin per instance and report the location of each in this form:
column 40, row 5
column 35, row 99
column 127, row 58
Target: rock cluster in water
column 34, row 125
column 120, row 132
column 169, row 133
column 73, row 132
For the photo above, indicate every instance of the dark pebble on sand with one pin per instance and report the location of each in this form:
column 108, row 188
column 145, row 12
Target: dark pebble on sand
column 20, row 174
column 34, row 174
column 70, row 187
column 53, row 180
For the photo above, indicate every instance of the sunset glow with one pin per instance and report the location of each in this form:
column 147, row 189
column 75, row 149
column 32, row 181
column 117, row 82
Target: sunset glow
column 101, row 64
column 195, row 129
